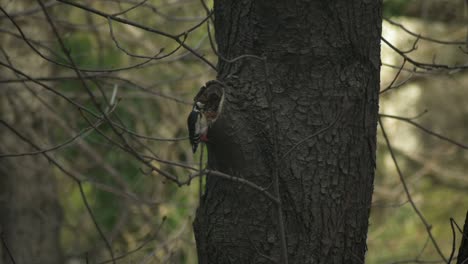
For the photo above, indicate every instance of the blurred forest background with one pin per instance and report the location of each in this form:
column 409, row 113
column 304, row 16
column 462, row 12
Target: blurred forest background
column 69, row 178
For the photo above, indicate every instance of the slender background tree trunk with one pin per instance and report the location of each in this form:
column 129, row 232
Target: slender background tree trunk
column 30, row 213
column 323, row 62
column 463, row 251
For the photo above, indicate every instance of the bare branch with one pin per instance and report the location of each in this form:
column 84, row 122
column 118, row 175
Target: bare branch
column 7, row 249
column 149, row 240
column 240, row 180
column 67, row 53
column 426, row 66
column 408, row 194
column 390, row 86
column 419, row 36
column 130, row 8
column 426, row 130
column 176, row 37
column 57, row 147
column 71, row 174
column 276, row 167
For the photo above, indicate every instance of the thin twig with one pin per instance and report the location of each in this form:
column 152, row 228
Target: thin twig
column 4, row 243
column 130, row 8
column 318, row 132
column 127, row 148
column 243, row 181
column 154, row 57
column 276, row 168
column 102, row 76
column 200, row 178
column 67, row 53
column 426, row 66
column 64, row 144
column 71, row 174
column 454, row 239
column 56, row 62
column 424, row 37
column 390, row 86
column 426, row 130
column 153, row 237
column 408, row 194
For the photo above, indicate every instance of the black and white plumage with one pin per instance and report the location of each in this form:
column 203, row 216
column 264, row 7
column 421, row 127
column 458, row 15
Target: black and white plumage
column 207, row 107
column 195, row 126
column 210, row 100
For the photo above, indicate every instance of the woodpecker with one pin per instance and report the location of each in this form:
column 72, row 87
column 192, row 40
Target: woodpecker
column 196, row 125
column 207, row 107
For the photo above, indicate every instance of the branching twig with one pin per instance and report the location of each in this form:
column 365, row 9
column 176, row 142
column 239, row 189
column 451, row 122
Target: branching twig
column 71, row 174
column 67, row 53
column 426, row 130
column 426, row 66
column 390, row 86
column 7, row 249
column 243, row 181
column 408, row 194
column 200, row 178
column 454, row 239
column 419, row 36
column 276, row 167
column 64, row 144
column 152, row 238
column 154, row 57
column 176, row 37
column 130, row 8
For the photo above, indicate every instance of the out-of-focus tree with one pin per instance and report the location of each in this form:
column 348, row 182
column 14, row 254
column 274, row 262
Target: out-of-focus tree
column 428, row 41
column 47, row 104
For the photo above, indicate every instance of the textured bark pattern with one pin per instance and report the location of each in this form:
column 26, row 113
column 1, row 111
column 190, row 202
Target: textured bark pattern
column 323, row 67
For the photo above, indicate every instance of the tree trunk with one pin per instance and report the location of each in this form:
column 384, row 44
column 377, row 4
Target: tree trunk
column 309, row 116
column 30, row 213
column 463, row 250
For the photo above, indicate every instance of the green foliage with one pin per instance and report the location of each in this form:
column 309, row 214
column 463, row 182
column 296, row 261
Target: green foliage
column 145, row 114
column 394, row 7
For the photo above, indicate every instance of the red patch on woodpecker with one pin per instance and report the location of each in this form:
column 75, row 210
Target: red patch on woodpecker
column 204, row 137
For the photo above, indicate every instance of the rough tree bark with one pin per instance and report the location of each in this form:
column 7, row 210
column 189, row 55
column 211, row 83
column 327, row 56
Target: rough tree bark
column 321, row 86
